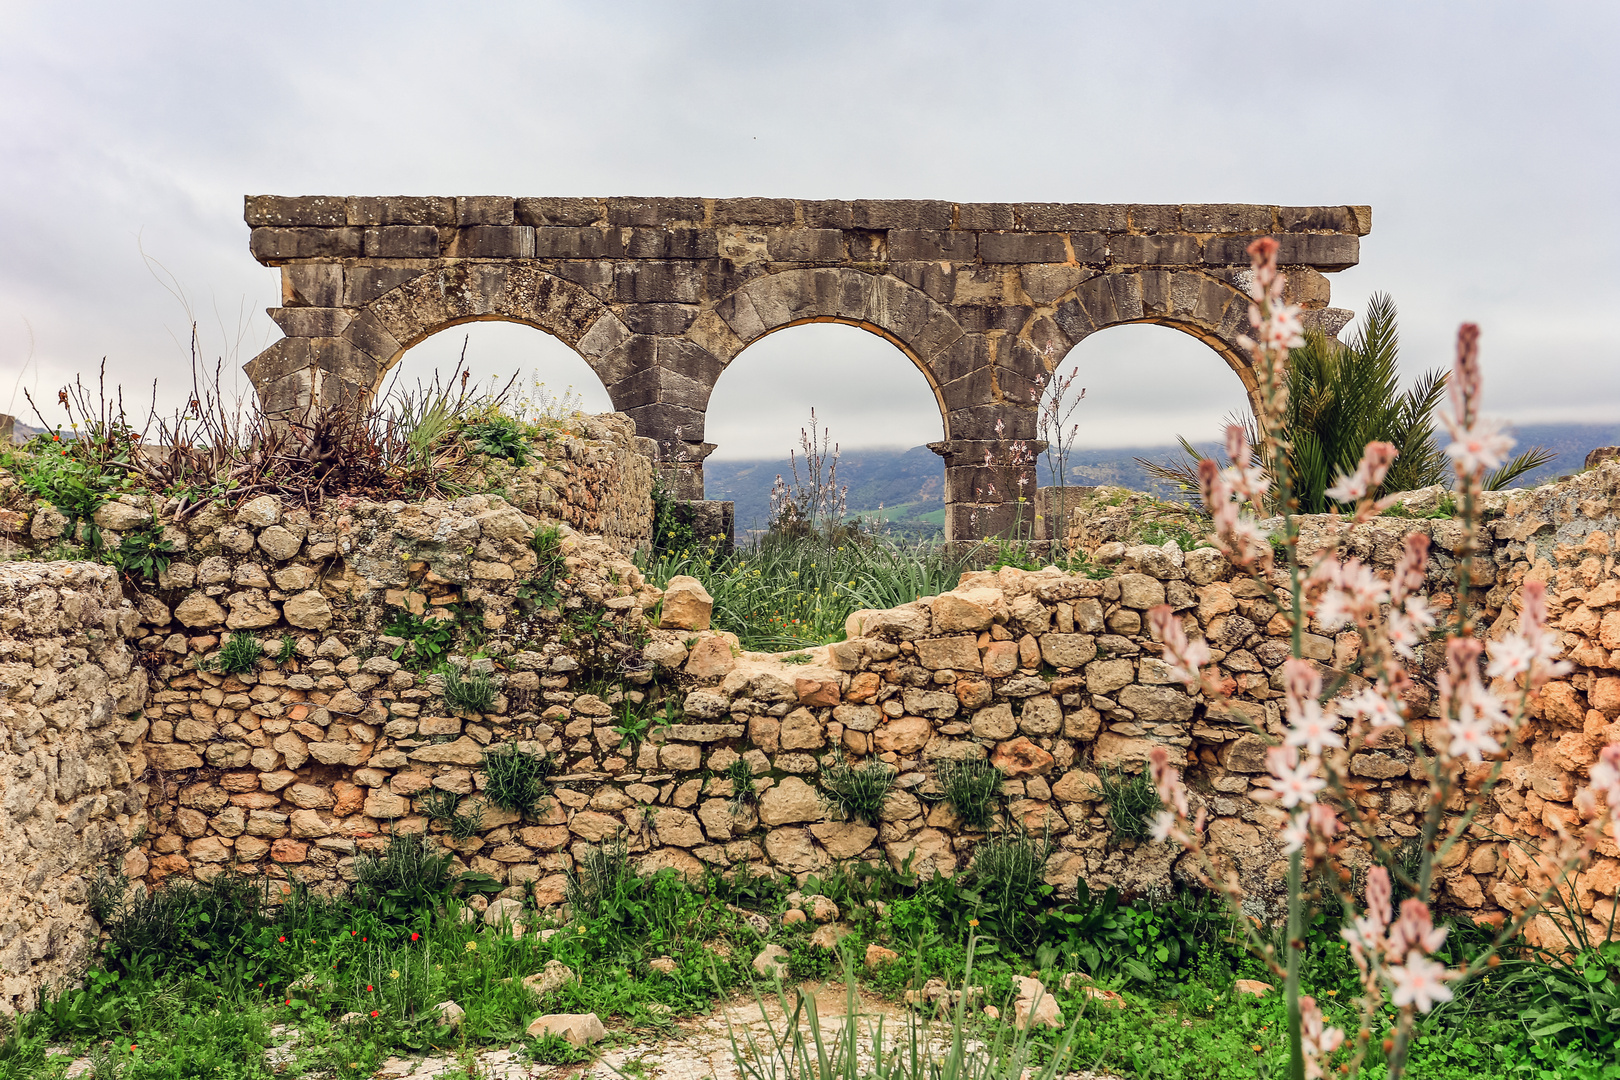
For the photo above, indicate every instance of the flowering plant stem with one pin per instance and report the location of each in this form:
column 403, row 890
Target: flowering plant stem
column 1310, row 775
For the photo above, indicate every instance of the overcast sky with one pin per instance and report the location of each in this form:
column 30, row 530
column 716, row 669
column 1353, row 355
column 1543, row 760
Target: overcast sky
column 1484, row 136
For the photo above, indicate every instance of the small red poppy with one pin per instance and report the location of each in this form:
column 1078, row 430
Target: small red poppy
column 282, row 939
column 415, row 936
column 374, row 1014
column 368, row 988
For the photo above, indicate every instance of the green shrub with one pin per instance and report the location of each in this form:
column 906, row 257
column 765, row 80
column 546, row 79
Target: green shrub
column 289, row 649
column 1343, row 395
column 239, row 655
column 971, row 788
column 1132, row 802
column 741, row 775
column 427, row 639
column 410, row 873
column 473, row 692
column 515, row 779
column 858, row 791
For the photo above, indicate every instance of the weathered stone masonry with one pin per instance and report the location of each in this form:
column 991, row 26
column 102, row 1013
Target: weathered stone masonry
column 658, row 295
column 70, row 729
column 295, row 768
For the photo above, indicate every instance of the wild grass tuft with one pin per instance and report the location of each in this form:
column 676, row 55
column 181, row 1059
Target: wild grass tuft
column 239, row 655
column 473, row 692
column 971, row 788
column 514, row 779
column 1131, row 800
column 858, row 791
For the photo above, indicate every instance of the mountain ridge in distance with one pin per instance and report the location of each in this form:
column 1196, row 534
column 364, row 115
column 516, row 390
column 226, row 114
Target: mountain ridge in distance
column 909, row 484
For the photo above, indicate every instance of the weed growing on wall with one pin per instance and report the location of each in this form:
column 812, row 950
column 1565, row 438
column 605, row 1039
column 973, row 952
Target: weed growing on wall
column 514, row 779
column 971, row 788
column 472, row 692
column 858, row 791
column 239, row 655
column 1132, row 802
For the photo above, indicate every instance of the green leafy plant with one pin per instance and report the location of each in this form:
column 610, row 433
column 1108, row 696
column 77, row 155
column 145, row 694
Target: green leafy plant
column 239, row 655
column 409, row 874
column 858, row 791
column 514, row 779
column 289, row 649
column 796, row 658
column 142, row 555
column 499, row 436
column 473, row 692
column 427, row 639
column 971, row 788
column 552, row 1049
column 637, row 722
column 1132, row 802
column 741, row 775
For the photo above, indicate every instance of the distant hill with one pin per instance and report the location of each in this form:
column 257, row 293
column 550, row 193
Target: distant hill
column 907, row 487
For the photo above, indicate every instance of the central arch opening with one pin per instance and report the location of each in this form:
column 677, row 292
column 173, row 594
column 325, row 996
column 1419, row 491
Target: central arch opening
column 867, row 394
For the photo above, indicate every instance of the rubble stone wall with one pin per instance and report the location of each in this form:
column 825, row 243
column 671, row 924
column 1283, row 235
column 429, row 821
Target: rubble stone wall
column 71, row 696
column 297, row 767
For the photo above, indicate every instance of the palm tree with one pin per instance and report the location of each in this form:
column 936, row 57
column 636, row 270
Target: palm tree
column 1343, row 395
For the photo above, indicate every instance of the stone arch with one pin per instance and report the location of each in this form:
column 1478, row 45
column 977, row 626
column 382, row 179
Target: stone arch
column 1208, row 308
column 908, row 318
column 346, row 363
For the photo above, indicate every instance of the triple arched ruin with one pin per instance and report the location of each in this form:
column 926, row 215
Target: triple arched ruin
column 659, row 295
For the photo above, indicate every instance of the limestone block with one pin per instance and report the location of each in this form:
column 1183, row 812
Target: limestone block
column 464, row 751
column 791, row 850
column 790, row 801
column 1140, row 591
column 250, row 609
column 1041, row 715
column 580, row 1029
column 280, row 543
column 1157, row 704
column 802, row 731
column 843, row 839
column 308, row 610
column 687, row 604
column 259, row 513
column 953, row 614
column 935, row 704
column 710, row 657
column 1068, row 650
column 905, row 734
column 995, row 722
column 677, row 827
column 1020, row 757
column 198, row 610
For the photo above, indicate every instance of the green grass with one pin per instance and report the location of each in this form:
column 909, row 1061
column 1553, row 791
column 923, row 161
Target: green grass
column 777, row 594
column 193, row 980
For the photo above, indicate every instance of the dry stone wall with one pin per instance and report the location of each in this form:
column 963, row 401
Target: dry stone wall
column 70, row 758
column 297, row 767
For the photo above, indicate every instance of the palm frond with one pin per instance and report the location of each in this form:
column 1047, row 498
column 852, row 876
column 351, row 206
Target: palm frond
column 1528, row 461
